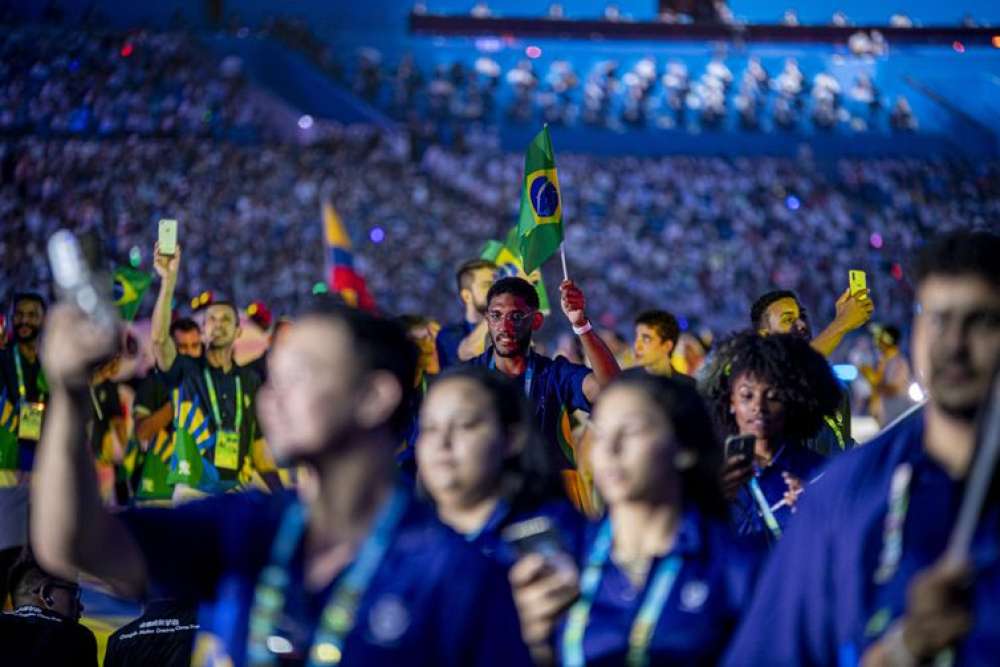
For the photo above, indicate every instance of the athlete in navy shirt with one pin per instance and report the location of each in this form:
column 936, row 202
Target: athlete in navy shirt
column 551, row 385
column 484, row 467
column 352, row 570
column 460, row 341
column 663, row 581
column 860, row 575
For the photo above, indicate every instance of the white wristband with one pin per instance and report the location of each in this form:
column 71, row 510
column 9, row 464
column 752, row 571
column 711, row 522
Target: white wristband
column 579, row 331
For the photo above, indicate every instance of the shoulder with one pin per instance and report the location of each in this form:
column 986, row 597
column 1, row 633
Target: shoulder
column 862, row 474
column 455, row 330
column 482, row 360
column 561, row 366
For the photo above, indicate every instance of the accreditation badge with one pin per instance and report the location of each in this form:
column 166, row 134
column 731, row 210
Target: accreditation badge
column 29, row 423
column 227, row 450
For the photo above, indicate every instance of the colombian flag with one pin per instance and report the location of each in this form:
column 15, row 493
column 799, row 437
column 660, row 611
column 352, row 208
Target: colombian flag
column 340, row 274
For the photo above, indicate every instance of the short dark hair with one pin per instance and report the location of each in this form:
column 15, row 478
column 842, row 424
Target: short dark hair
column 532, row 477
column 764, row 302
column 183, row 324
column 802, row 379
column 463, row 276
column 228, row 304
column 664, row 323
column 693, row 427
column 519, row 287
column 378, row 344
column 28, row 296
column 26, row 576
column 960, row 253
column 892, row 332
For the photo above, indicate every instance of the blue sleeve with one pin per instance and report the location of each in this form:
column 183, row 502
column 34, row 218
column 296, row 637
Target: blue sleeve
column 186, row 549
column 447, row 343
column 790, row 621
column 570, row 378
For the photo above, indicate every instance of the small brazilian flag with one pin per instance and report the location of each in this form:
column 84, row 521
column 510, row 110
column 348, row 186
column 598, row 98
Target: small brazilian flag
column 130, row 286
column 508, row 261
column 539, row 228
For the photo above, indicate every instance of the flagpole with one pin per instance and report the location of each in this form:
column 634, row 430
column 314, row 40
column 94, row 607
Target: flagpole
column 562, row 255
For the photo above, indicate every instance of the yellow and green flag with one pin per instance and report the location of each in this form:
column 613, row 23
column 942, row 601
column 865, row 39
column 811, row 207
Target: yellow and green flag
column 539, row 227
column 130, row 286
column 505, row 255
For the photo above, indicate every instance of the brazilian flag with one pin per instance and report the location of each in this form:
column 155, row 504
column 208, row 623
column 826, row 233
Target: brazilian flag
column 505, row 255
column 130, row 286
column 540, row 225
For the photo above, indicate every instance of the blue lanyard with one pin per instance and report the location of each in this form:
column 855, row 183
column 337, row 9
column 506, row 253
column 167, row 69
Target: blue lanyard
column 338, row 617
column 529, row 372
column 761, row 500
column 646, row 619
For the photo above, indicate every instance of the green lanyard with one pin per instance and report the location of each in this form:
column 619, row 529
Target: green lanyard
column 215, row 402
column 22, row 390
column 340, row 613
column 646, row 619
column 835, row 426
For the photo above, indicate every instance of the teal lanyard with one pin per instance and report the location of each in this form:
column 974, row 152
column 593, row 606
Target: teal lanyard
column 529, row 373
column 338, row 617
column 22, row 389
column 215, row 402
column 646, row 619
column 895, row 518
column 765, row 509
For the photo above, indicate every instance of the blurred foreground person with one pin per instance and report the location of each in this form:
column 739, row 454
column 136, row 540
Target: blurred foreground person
column 44, row 627
column 663, row 580
column 860, row 575
column 483, row 466
column 350, row 570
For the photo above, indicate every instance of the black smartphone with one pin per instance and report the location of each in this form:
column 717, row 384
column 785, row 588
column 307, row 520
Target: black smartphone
column 740, row 445
column 534, row 536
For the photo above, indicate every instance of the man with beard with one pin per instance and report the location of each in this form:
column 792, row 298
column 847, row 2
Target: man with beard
column 217, row 445
column 551, row 385
column 859, row 577
column 780, row 312
column 23, row 394
column 466, row 340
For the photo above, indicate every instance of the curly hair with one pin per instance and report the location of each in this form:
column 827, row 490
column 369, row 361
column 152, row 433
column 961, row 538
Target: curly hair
column 692, row 425
column 802, row 379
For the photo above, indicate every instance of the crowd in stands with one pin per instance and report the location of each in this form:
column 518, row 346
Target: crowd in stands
column 710, row 233
column 66, row 82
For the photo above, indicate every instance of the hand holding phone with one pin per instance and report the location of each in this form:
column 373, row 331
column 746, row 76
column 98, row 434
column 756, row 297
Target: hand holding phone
column 738, row 468
column 167, row 239
column 534, row 536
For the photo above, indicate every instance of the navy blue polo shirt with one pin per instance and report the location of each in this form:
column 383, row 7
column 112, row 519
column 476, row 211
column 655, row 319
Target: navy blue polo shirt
column 820, row 600
column 557, row 384
column 434, row 600
column 568, row 522
column 448, row 340
column 713, row 588
column 793, row 459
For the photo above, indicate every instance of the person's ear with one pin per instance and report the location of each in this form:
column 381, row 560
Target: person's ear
column 670, row 347
column 378, row 399
column 537, row 320
column 239, row 331
column 465, row 294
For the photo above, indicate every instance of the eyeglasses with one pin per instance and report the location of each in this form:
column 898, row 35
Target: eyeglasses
column 73, row 589
column 515, row 316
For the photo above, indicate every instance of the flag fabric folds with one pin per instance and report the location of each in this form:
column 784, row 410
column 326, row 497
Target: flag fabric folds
column 505, row 255
column 130, row 286
column 341, row 276
column 540, row 225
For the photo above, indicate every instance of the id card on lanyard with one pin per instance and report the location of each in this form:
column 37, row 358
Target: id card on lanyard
column 227, row 443
column 30, row 415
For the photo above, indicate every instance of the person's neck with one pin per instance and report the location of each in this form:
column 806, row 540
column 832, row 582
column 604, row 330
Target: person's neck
column 473, row 316
column 468, row 517
column 511, row 366
column 347, row 490
column 949, row 440
column 220, row 357
column 644, row 529
column 661, row 366
column 763, row 452
column 28, row 350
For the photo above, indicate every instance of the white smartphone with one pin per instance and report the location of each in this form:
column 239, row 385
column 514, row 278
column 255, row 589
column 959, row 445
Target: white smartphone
column 168, row 237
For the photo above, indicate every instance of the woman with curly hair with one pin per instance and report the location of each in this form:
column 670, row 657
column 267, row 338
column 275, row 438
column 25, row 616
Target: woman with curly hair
column 776, row 389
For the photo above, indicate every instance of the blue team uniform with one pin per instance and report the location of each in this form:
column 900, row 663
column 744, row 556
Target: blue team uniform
column 556, row 385
column 712, row 588
column 570, row 524
column 448, row 340
column 433, row 600
column 794, row 459
column 838, row 579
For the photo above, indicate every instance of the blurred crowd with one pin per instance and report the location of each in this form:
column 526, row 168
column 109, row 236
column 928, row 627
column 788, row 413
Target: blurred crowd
column 59, row 82
column 702, row 236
